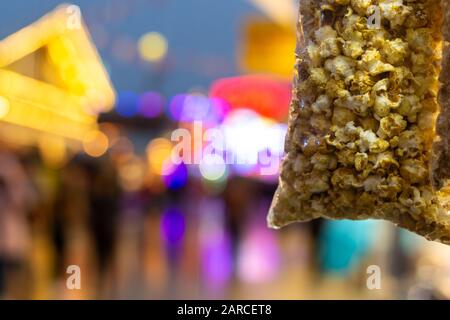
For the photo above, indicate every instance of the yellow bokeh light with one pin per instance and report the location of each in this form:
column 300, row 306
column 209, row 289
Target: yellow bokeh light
column 95, row 143
column 132, row 174
column 153, row 46
column 4, row 107
column 159, row 151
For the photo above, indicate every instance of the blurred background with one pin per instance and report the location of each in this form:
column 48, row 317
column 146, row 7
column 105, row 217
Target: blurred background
column 87, row 111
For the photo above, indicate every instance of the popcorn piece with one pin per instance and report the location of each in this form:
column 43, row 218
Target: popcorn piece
column 376, row 37
column 345, row 179
column 359, row 104
column 352, row 24
column 362, row 82
column 322, row 105
column 346, row 157
column 361, row 161
column 380, row 86
column 329, row 48
column 341, row 66
column 336, row 89
column 325, row 33
column 314, row 55
column 385, row 162
column 395, row 51
column 353, row 49
column 341, row 116
column 361, row 6
column 413, row 170
column 390, row 187
column 319, row 76
column 420, row 40
column 370, row 142
column 400, row 78
column 371, row 183
column 371, row 62
column 391, row 125
column 395, row 11
column 383, row 105
column 409, row 107
column 409, row 144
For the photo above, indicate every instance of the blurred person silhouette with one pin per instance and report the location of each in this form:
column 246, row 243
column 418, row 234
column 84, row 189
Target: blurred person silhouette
column 86, row 209
column 69, row 221
column 16, row 198
column 104, row 203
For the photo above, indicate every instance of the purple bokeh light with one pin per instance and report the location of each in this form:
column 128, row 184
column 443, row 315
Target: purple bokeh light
column 177, row 178
column 176, row 105
column 151, row 104
column 173, row 226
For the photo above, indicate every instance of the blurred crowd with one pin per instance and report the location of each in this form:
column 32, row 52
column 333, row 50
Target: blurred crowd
column 189, row 243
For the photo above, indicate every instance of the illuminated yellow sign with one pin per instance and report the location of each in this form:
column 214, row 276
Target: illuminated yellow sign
column 267, row 47
column 52, row 79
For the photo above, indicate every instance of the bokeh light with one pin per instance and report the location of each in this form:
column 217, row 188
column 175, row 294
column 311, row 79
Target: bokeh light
column 173, row 226
column 127, row 104
column 258, row 257
column 267, row 95
column 95, row 143
column 198, row 107
column 220, row 108
column 122, row 150
column 213, row 167
column 132, row 174
column 195, row 107
column 153, row 46
column 159, row 153
column 216, row 245
column 249, row 135
column 177, row 178
column 151, row 104
column 176, row 105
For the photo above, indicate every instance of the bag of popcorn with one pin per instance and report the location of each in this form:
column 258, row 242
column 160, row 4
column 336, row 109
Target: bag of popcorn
column 368, row 124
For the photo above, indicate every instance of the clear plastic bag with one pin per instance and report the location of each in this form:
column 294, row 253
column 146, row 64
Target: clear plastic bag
column 368, row 124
